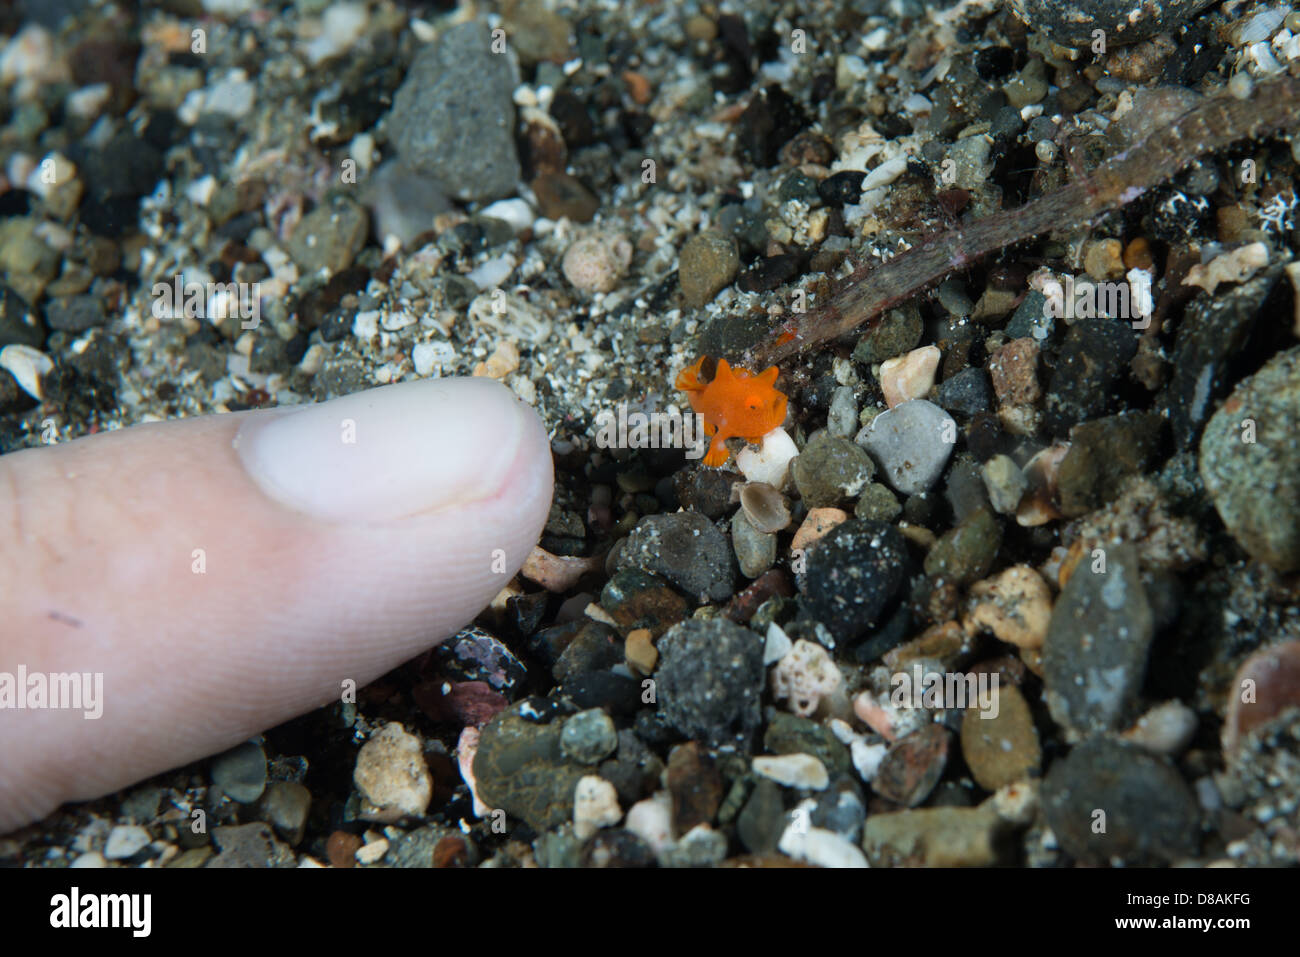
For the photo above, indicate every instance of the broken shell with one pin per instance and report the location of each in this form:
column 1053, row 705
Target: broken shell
column 765, row 507
column 27, row 366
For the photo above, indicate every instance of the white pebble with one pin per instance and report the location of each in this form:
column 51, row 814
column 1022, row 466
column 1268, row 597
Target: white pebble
column 652, row 821
column 492, row 273
column 91, row 859
column 373, row 852
column 778, row 644
column 125, row 841
column 595, row 805
column 770, row 462
column 793, row 770
column 816, row 845
column 518, row 214
column 27, row 366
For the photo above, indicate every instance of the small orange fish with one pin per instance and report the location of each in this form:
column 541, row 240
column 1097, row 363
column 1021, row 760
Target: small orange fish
column 736, row 402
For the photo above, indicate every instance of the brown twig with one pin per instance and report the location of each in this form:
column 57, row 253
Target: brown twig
column 874, row 287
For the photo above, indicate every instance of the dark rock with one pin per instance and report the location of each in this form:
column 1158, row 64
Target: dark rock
column 710, row 678
column 637, row 599
column 19, row 322
column 685, row 548
column 75, row 314
column 1095, row 654
column 1250, row 462
column 967, row 392
column 560, row 195
column 1092, row 366
column 594, row 648
column 521, row 769
column 707, row 491
column 965, row 554
column 831, row 471
column 616, row 847
column 1072, row 25
column 453, row 116
column 695, row 785
column 617, row 694
column 1103, row 453
column 1150, row 815
column 241, row 772
column 473, row 654
column 762, row 821
column 853, row 574
column 768, row 122
column 843, row 188
column 897, row 332
column 767, row 274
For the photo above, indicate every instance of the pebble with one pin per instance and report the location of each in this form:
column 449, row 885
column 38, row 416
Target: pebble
column 911, row 443
column 640, row 600
column 473, row 654
column 241, row 772
column 75, row 314
column 595, row 805
column 1095, row 653
column 853, row 574
column 457, row 92
column 392, row 775
column 967, row 552
column 1016, row 606
column 1014, row 371
column 913, row 765
column 695, row 786
column 755, row 550
column 935, row 837
column 831, row 471
column 816, row 525
column 1092, row 365
column 877, row 503
column 616, row 847
column 793, row 771
column 1028, row 86
column 1151, row 815
column 372, row 852
column 1211, row 334
column 1266, row 684
column 1001, row 748
column 126, row 840
column 520, row 768
column 341, row 849
column 330, row 236
column 897, row 332
column 589, row 737
column 561, row 196
column 20, row 324
column 708, row 262
column 840, row 809
column 1255, row 485
column 286, row 805
column 92, row 859
column 597, row 262
column 710, row 678
column 701, row 846
column 686, row 549
column 909, row 376
column 28, row 367
column 821, row 847
column 249, row 845
column 403, row 202
column 1072, row 25
column 1103, row 454
column 1004, row 482
column 1166, row 729
column 805, row 676
column 1103, row 259
column 791, row 734
column 966, row 392
column 842, row 417
column 640, row 651
column 843, row 188
column 761, row 822
column 770, row 462
column 652, row 821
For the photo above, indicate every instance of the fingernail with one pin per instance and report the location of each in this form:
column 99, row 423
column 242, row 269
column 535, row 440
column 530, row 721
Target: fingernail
column 390, row 452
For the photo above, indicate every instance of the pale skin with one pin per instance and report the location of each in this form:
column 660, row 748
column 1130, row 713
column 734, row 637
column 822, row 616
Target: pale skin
column 224, row 585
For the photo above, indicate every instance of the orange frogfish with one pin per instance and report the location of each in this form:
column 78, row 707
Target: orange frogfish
column 735, row 403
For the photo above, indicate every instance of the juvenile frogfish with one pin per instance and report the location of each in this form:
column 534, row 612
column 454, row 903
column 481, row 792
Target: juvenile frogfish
column 735, row 403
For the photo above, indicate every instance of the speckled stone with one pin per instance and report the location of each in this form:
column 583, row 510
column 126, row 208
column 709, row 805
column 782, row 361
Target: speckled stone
column 966, row 553
column 853, row 574
column 1001, row 748
column 1095, row 654
column 1256, row 486
column 911, row 443
column 707, row 263
column 685, row 548
column 520, row 767
column 710, row 678
column 831, row 471
column 1072, row 24
column 1150, row 814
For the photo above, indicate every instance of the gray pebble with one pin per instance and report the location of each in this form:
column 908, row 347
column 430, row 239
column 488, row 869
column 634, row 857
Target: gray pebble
column 755, row 550
column 911, row 443
column 241, row 772
column 831, row 471
column 286, row 805
column 589, row 737
column 1004, row 482
column 842, row 418
column 710, row 678
column 687, row 549
column 1095, row 654
column 453, row 117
